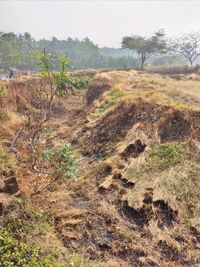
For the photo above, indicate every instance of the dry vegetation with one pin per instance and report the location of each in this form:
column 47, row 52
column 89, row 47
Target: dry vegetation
column 136, row 200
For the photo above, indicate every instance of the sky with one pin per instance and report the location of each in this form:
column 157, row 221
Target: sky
column 104, row 22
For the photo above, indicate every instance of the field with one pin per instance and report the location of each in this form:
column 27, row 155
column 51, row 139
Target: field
column 135, row 200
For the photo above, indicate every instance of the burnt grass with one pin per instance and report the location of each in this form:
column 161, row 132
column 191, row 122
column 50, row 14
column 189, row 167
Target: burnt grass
column 112, row 228
column 172, row 125
column 100, row 237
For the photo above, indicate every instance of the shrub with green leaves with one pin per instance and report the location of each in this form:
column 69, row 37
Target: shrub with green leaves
column 78, row 83
column 64, row 81
column 63, row 161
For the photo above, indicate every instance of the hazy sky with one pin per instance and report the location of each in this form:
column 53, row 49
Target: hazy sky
column 105, row 22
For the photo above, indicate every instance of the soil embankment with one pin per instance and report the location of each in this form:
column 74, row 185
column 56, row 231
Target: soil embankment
column 136, row 201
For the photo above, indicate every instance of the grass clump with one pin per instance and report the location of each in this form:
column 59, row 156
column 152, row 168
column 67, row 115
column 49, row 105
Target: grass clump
column 3, row 95
column 3, row 92
column 5, row 160
column 161, row 157
column 77, row 260
column 166, row 155
column 20, row 233
column 113, row 98
column 183, row 183
column 63, row 161
column 14, row 252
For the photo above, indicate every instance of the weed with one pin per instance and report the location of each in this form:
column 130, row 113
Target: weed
column 72, row 82
column 78, row 83
column 63, row 160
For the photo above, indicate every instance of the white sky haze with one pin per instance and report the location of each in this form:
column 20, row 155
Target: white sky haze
column 104, row 22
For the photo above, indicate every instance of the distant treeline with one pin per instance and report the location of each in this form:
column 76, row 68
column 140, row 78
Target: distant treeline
column 23, row 51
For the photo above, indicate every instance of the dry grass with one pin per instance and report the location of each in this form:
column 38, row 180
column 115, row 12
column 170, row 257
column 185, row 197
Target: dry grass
column 124, row 211
column 183, row 94
column 175, row 69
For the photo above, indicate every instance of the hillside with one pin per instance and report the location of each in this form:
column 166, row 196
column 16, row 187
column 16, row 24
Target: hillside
column 136, row 199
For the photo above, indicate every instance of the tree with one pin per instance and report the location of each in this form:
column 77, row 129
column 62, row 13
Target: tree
column 188, row 45
column 146, row 47
column 9, row 50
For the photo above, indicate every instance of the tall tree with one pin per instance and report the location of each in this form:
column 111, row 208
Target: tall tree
column 9, row 50
column 146, row 47
column 188, row 45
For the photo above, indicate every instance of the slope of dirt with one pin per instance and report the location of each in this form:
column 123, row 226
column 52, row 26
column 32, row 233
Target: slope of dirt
column 136, row 202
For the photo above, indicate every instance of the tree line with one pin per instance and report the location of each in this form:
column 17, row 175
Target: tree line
column 187, row 46
column 22, row 51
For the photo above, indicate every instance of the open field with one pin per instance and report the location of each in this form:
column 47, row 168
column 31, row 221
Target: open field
column 136, row 199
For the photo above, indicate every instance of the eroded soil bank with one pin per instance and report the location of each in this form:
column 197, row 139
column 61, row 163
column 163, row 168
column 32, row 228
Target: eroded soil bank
column 136, row 200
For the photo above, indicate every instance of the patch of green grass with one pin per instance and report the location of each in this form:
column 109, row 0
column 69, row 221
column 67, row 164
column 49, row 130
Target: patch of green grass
column 184, row 183
column 167, row 155
column 161, row 157
column 20, row 241
column 77, row 260
column 113, row 99
column 5, row 160
column 172, row 169
column 3, row 91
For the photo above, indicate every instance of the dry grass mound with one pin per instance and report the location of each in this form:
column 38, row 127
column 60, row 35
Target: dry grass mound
column 168, row 123
column 96, row 88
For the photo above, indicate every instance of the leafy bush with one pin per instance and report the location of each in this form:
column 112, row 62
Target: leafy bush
column 64, row 81
column 63, row 161
column 78, row 83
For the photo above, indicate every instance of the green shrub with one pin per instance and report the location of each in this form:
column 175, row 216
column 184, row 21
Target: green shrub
column 65, row 80
column 63, row 161
column 78, row 83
